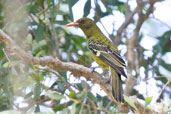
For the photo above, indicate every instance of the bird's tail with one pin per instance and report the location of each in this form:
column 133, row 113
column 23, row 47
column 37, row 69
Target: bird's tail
column 117, row 89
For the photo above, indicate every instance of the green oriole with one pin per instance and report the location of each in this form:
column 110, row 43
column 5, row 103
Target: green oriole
column 105, row 53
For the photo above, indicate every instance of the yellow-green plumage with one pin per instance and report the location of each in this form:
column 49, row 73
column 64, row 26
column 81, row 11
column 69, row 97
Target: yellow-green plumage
column 105, row 53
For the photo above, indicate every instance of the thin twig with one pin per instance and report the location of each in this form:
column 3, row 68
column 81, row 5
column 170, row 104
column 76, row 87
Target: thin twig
column 104, row 27
column 49, row 45
column 54, row 34
column 92, row 105
column 163, row 88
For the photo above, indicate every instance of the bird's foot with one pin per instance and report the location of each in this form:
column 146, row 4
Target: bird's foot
column 108, row 81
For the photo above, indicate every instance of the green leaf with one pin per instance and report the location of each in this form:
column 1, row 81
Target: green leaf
column 28, row 95
column 148, row 100
column 79, row 86
column 40, row 2
column 39, row 32
column 61, row 22
column 81, row 110
column 10, row 112
column 3, row 71
column 163, row 45
column 123, row 8
column 130, row 102
column 72, row 94
column 99, row 11
column 62, row 107
column 1, row 50
column 64, row 111
column 38, row 46
column 84, row 84
column 71, row 4
column 61, row 86
column 163, row 79
column 32, row 8
column 105, row 101
column 64, row 75
column 10, row 64
column 165, row 65
column 92, row 97
column 82, row 95
column 73, row 110
column 54, row 96
column 59, row 107
column 37, row 109
column 87, row 8
column 37, row 91
column 40, row 53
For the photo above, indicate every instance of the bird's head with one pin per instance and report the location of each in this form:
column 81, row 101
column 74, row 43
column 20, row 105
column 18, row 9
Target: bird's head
column 87, row 25
column 83, row 23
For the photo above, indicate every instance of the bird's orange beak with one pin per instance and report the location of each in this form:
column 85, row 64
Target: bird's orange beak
column 72, row 24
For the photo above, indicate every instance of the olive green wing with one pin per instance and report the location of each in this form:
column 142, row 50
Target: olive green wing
column 108, row 54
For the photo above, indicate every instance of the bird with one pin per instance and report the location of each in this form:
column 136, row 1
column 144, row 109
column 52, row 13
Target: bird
column 105, row 53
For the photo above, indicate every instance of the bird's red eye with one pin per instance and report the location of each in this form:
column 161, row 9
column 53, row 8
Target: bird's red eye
column 82, row 21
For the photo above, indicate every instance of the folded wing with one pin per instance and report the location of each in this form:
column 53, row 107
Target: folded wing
column 109, row 55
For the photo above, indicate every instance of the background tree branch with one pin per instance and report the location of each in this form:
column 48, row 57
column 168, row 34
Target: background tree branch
column 131, row 43
column 56, row 64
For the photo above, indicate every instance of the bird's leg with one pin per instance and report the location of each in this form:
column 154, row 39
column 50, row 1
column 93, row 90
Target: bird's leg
column 107, row 76
column 108, row 81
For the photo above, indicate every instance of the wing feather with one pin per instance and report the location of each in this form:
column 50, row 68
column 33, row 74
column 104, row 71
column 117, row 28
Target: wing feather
column 108, row 55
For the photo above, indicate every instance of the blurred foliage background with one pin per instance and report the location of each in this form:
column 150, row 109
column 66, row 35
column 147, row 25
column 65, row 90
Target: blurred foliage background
column 38, row 27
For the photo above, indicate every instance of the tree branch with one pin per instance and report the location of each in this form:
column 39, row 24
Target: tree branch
column 131, row 43
column 169, row 80
column 128, row 19
column 56, row 64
